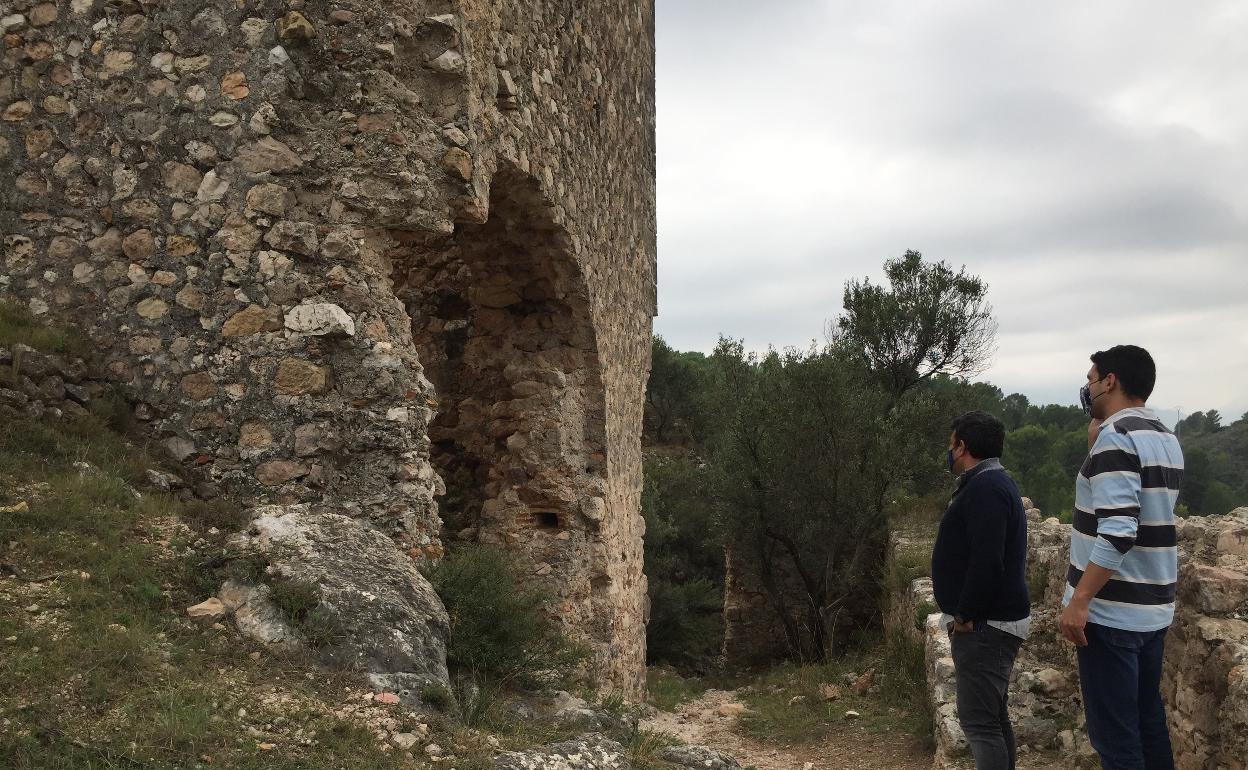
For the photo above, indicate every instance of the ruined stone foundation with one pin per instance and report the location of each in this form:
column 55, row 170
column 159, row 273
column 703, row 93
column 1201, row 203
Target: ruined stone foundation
column 395, row 259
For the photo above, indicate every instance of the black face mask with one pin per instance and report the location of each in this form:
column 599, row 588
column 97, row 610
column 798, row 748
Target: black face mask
column 1086, row 398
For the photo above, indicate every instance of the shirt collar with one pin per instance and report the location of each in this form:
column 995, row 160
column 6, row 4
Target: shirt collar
column 1130, row 411
column 989, row 464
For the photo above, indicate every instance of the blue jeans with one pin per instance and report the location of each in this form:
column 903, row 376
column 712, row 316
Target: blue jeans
column 982, row 662
column 1120, row 676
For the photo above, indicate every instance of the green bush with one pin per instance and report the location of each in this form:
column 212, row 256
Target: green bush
column 112, row 408
column 500, row 634
column 686, row 623
column 684, row 562
column 921, row 614
column 437, row 696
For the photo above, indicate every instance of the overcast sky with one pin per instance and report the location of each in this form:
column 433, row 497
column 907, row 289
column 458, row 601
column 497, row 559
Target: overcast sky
column 1089, row 160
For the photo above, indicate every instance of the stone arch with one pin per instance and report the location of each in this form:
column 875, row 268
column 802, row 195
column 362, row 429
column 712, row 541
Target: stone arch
column 502, row 325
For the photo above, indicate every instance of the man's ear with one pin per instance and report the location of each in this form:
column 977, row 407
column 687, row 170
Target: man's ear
column 1111, row 382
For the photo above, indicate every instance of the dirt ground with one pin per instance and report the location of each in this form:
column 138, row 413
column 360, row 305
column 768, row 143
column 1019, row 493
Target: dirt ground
column 711, row 720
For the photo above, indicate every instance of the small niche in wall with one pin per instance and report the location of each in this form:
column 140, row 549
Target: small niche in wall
column 546, row 519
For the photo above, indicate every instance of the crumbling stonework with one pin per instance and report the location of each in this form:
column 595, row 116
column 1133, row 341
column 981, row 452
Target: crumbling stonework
column 754, row 632
column 1205, row 681
column 337, row 251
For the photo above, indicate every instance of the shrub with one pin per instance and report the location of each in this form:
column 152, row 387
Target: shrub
column 684, row 562
column 500, row 635
column 224, row 514
column 921, row 613
column 112, row 408
column 300, row 604
column 686, row 624
column 436, row 696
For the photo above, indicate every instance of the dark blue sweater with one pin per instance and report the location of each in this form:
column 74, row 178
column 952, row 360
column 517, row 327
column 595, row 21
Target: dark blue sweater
column 979, row 561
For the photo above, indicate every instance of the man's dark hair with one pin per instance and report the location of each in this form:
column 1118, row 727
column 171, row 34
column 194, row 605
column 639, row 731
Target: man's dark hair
column 983, row 434
column 1137, row 374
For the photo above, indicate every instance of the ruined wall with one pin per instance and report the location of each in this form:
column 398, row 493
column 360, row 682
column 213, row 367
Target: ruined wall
column 1205, row 681
column 763, row 586
column 279, row 221
column 754, row 632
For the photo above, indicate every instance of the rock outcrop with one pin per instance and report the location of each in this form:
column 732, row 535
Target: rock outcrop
column 43, row 385
column 700, row 757
column 363, row 606
column 587, row 752
column 1205, row 680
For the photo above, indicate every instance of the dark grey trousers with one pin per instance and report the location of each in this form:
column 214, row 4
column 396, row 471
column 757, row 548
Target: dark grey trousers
column 982, row 662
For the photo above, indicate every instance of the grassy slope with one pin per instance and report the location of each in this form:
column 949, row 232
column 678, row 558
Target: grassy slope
column 102, row 669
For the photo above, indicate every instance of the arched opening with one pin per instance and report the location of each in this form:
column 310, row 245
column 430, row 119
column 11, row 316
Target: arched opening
column 501, row 323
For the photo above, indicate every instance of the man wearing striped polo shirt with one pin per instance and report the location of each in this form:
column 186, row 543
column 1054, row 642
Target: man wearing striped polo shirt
column 1119, row 599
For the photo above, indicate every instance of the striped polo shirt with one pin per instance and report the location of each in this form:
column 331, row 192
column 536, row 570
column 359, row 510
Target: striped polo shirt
column 1124, row 521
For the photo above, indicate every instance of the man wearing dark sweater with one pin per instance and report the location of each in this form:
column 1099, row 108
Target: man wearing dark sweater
column 978, row 575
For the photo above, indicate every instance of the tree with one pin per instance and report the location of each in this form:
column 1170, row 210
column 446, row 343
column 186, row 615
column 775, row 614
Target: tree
column 813, row 447
column 684, row 563
column 1197, row 478
column 1027, row 450
column 1014, row 410
column 1199, row 424
column 928, row 321
column 673, row 411
column 801, row 480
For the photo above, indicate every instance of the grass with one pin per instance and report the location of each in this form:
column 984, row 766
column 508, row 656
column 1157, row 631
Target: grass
column 787, row 706
column 101, row 667
column 668, row 688
column 300, row 604
column 19, row 326
column 901, row 570
column 645, row 749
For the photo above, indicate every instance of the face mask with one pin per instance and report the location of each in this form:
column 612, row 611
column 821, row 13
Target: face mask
column 1086, row 398
column 949, row 459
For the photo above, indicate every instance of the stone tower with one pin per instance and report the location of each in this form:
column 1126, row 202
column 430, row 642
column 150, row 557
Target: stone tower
column 387, row 256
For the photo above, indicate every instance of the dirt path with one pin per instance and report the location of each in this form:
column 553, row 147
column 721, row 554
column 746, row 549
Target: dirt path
column 710, row 721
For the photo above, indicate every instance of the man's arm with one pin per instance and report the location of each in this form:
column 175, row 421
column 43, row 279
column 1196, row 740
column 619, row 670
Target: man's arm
column 1075, row 614
column 1114, row 470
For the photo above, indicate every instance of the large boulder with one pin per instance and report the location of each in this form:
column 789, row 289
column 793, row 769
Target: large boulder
column 586, row 752
column 699, row 757
column 365, row 606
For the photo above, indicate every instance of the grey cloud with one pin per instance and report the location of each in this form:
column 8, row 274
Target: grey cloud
column 1065, row 152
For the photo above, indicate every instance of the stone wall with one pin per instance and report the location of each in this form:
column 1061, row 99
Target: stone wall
column 753, row 631
column 336, row 252
column 1205, row 682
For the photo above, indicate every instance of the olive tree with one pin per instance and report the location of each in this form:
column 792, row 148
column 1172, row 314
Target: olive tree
column 812, row 444
column 929, row 320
